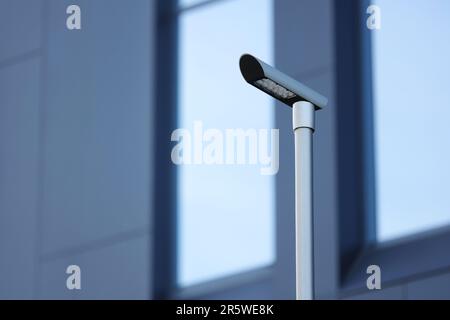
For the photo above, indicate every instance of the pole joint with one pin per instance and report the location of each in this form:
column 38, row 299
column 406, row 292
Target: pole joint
column 303, row 115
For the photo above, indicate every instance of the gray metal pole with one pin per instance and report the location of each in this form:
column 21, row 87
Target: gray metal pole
column 303, row 125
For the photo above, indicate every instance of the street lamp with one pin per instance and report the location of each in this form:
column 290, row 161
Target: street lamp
column 304, row 102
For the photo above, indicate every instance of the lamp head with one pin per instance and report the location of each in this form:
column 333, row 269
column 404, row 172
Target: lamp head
column 277, row 84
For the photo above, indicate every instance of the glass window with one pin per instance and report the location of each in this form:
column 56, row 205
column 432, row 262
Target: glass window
column 225, row 212
column 412, row 110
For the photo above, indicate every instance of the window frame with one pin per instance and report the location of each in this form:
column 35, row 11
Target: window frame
column 401, row 260
column 164, row 240
column 253, row 284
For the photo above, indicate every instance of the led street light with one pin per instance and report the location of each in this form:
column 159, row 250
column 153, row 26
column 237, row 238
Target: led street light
column 277, row 84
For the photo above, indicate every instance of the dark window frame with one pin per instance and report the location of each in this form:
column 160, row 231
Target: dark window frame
column 406, row 259
column 164, row 239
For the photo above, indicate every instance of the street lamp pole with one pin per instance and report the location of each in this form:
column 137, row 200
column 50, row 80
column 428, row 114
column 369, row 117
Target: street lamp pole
column 304, row 102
